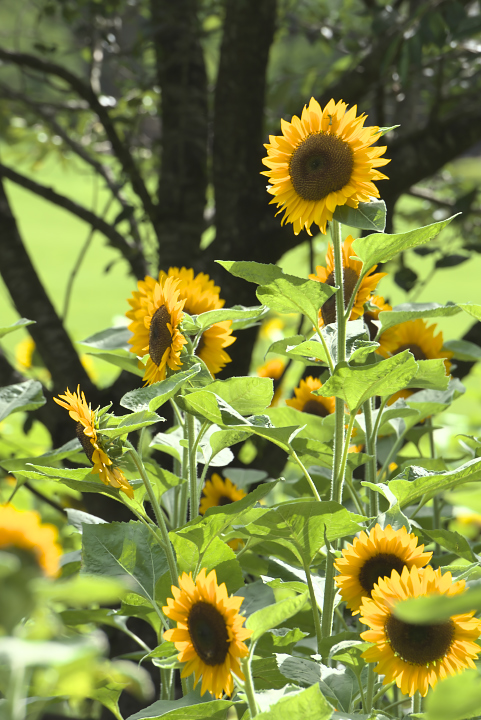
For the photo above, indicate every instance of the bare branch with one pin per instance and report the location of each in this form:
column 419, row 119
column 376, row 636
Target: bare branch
column 132, row 253
column 119, row 148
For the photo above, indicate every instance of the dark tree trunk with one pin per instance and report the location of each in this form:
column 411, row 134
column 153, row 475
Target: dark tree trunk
column 183, row 171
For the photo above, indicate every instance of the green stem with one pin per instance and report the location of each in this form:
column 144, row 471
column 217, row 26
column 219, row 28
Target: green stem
column 371, row 467
column 337, row 480
column 345, row 453
column 336, row 236
column 330, row 361
column 329, row 595
column 379, row 418
column 436, row 503
column 354, row 497
column 202, row 482
column 174, row 574
column 382, row 691
column 184, row 498
column 194, row 505
column 417, row 702
column 392, row 453
column 362, row 696
column 306, row 474
column 371, row 678
column 315, row 609
column 249, row 683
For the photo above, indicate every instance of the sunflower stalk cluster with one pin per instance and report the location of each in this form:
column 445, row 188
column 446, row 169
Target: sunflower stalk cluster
column 336, row 587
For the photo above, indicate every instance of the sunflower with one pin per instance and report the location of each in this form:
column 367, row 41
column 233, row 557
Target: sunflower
column 272, row 369
column 387, row 340
column 24, row 530
column 155, row 327
column 419, row 338
column 306, row 402
column 86, row 430
column 321, row 161
column 417, row 656
column 209, row 633
column 218, row 492
column 351, row 272
column 200, row 295
column 375, row 556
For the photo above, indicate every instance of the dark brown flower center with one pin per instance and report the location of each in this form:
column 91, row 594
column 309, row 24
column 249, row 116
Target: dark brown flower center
column 224, row 500
column 418, row 352
column 419, row 644
column 84, row 440
column 377, row 567
column 320, row 164
column 371, row 326
column 313, row 407
column 208, row 632
column 160, row 338
column 328, row 310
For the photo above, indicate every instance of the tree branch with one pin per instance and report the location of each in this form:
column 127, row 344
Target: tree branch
column 131, row 253
column 183, row 171
column 119, row 148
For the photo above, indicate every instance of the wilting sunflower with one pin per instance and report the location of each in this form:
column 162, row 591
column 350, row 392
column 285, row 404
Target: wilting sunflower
column 305, row 401
column 351, row 272
column 200, row 295
column 23, row 530
column 417, row 656
column 419, row 338
column 321, row 161
column 218, row 492
column 387, row 340
column 156, row 318
column 375, row 556
column 86, row 430
column 209, row 633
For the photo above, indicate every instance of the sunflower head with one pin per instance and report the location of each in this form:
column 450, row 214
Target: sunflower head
column 375, row 556
column 351, row 267
column 196, row 294
column 417, row 656
column 24, row 532
column 218, row 492
column 307, row 402
column 87, row 425
column 420, row 339
column 321, row 161
column 209, row 634
column 156, row 316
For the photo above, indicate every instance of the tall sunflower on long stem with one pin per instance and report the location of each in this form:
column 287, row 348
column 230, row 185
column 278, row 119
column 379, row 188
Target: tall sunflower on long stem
column 321, row 161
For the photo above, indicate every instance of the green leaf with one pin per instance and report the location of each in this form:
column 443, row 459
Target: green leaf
column 304, row 525
column 309, row 704
column 19, row 651
column 20, row 398
column 247, row 395
column 412, row 311
column 299, row 670
column 273, row 615
column 431, row 374
column 314, row 426
column 124, row 550
column 367, row 216
column 415, row 483
column 473, row 310
column 72, row 450
column 75, row 478
column 190, row 707
column 22, row 323
column 241, row 316
column 110, row 340
column 438, row 608
column 456, row 698
column 309, row 351
column 281, row 292
column 356, row 384
column 132, row 422
column 384, row 130
column 381, row 247
column 205, row 405
column 256, row 596
column 452, row 541
column 463, row 350
column 153, row 396
column 83, row 590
